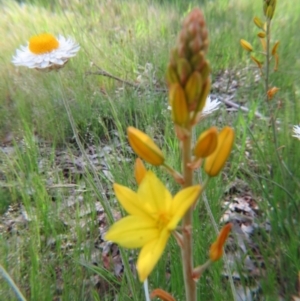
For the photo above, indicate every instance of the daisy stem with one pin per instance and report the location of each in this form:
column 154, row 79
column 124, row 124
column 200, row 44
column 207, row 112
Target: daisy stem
column 187, row 250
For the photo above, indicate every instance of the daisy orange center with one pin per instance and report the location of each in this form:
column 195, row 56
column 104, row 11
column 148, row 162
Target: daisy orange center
column 43, row 43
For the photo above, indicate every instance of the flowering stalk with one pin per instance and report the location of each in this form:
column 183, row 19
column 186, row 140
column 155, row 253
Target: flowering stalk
column 269, row 7
column 153, row 214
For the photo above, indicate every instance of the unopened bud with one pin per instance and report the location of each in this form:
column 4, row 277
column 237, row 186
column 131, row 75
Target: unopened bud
column 216, row 161
column 145, row 147
column 183, row 70
column 206, row 143
column 275, row 47
column 216, row 249
column 178, row 103
column 271, row 92
column 246, row 45
column 261, row 35
column 258, row 22
column 193, row 87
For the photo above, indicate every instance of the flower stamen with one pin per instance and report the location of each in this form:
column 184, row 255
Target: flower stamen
column 43, row 43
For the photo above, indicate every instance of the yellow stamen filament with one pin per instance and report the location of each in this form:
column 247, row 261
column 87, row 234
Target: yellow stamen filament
column 43, row 43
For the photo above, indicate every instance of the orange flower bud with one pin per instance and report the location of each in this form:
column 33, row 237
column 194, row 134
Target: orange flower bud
column 161, row 294
column 275, row 47
column 145, row 147
column 207, row 143
column 258, row 22
column 271, row 92
column 216, row 161
column 216, row 249
column 246, row 45
column 178, row 103
column 139, row 170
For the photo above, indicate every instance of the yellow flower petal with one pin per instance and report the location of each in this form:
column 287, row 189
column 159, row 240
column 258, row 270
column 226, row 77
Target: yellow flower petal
column 150, row 255
column 182, row 201
column 133, row 231
column 139, row 170
column 153, row 193
column 130, row 201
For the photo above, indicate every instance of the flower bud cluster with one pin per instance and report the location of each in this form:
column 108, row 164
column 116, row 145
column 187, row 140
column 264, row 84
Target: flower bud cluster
column 188, row 73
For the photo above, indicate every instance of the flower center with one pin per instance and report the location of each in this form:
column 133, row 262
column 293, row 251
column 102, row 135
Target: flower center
column 162, row 220
column 43, row 43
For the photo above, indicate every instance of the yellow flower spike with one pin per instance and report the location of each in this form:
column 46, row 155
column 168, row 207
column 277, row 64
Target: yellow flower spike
column 139, row 170
column 145, row 147
column 261, row 35
column 216, row 161
column 206, row 143
column 258, row 22
column 256, row 61
column 246, row 45
column 178, row 103
column 271, row 92
column 193, row 87
column 275, row 47
column 216, row 249
column 161, row 294
column 153, row 215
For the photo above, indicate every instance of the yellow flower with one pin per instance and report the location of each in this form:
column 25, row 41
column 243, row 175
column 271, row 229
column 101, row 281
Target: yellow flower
column 216, row 249
column 45, row 51
column 153, row 215
column 145, row 147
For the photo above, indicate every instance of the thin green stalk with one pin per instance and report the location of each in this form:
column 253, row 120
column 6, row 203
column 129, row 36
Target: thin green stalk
column 11, row 283
column 187, row 250
column 272, row 117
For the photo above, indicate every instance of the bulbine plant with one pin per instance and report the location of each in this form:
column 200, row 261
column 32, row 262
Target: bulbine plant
column 269, row 53
column 153, row 213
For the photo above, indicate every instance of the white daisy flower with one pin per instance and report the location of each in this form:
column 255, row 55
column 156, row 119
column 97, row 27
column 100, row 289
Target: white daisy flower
column 45, row 51
column 296, row 130
column 210, row 106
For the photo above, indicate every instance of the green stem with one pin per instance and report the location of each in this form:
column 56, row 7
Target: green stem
column 271, row 110
column 187, row 250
